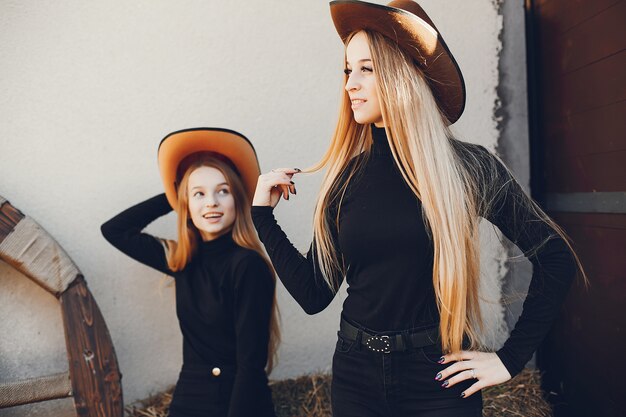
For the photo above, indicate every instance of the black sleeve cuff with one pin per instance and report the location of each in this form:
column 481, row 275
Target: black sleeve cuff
column 509, row 363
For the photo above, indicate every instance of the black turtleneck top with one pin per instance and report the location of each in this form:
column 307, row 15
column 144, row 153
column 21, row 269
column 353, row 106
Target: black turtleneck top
column 383, row 242
column 223, row 302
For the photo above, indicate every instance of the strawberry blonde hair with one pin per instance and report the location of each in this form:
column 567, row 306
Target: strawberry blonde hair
column 180, row 252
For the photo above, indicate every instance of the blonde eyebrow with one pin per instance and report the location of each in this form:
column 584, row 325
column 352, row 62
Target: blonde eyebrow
column 218, row 185
column 360, row 61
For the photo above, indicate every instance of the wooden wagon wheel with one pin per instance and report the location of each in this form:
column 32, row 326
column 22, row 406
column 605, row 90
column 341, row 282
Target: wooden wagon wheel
column 93, row 379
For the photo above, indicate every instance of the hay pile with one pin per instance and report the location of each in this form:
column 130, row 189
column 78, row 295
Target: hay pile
column 308, row 396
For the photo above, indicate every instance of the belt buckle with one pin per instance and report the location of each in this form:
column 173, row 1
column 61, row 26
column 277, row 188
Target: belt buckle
column 379, row 344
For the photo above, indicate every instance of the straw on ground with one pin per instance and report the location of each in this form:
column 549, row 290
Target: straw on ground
column 309, row 396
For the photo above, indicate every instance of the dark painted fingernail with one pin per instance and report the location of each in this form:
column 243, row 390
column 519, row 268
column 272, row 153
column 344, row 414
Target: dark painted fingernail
column 297, row 169
column 445, row 384
column 292, row 182
column 438, row 377
column 462, row 395
column 441, row 359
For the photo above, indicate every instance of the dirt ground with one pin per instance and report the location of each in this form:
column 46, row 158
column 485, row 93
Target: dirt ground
column 309, row 396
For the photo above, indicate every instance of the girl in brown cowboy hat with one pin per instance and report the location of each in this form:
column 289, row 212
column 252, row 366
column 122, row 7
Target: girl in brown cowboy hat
column 225, row 299
column 397, row 217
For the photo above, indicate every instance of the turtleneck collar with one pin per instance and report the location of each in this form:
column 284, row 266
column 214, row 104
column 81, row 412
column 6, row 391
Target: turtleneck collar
column 219, row 244
column 380, row 144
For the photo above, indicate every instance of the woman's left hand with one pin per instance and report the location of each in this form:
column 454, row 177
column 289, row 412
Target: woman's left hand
column 485, row 367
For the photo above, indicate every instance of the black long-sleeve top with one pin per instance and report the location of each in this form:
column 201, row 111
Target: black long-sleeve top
column 382, row 240
column 223, row 303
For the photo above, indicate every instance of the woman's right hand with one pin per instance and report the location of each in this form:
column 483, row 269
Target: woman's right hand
column 274, row 184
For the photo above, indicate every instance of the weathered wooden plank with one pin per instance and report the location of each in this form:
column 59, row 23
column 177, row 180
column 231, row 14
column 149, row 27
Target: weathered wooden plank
column 600, row 36
column 96, row 380
column 590, row 315
column 594, row 131
column 605, row 220
column 93, row 370
column 594, row 86
column 562, row 15
column 604, row 172
column 593, row 235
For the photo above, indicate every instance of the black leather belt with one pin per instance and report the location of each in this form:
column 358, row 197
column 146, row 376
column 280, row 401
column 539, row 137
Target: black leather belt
column 392, row 342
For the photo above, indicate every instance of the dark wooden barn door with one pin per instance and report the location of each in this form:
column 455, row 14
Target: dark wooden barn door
column 577, row 92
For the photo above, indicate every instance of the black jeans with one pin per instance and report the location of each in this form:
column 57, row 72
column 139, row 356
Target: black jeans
column 396, row 384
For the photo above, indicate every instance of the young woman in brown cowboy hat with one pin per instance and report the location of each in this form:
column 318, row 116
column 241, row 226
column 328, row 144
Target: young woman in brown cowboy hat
column 225, row 298
column 397, row 217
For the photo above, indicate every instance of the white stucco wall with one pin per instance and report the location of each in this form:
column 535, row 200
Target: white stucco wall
column 87, row 91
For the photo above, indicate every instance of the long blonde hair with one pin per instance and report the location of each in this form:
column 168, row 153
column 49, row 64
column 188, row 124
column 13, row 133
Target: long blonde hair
column 180, row 252
column 449, row 190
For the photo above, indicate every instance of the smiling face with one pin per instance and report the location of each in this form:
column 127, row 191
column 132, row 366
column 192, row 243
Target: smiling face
column 211, row 203
column 361, row 84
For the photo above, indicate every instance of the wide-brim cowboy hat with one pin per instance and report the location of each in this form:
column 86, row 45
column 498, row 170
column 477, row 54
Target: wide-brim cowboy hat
column 406, row 23
column 228, row 144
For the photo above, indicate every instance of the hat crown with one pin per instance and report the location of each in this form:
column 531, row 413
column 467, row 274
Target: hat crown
column 231, row 145
column 407, row 24
column 413, row 8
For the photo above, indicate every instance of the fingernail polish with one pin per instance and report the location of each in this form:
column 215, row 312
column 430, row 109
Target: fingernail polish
column 441, row 360
column 445, row 384
column 292, row 182
column 462, row 395
column 438, row 377
column 297, row 169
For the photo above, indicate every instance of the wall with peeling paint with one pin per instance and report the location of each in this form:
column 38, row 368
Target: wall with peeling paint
column 513, row 144
column 89, row 89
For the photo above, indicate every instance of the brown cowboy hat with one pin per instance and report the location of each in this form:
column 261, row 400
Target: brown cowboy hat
column 406, row 23
column 228, row 145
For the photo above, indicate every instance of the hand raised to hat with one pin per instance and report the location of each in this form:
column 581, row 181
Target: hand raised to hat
column 485, row 367
column 274, row 184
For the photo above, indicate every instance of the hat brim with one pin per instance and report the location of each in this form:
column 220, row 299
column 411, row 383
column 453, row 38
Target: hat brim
column 406, row 23
column 228, row 143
